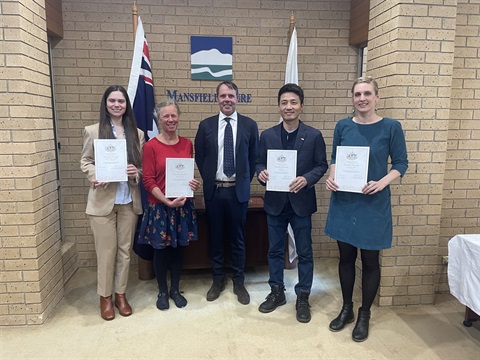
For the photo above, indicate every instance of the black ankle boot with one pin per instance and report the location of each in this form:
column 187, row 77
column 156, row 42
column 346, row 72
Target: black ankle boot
column 345, row 317
column 360, row 332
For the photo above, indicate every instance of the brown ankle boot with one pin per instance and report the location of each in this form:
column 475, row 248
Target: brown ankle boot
column 122, row 304
column 106, row 308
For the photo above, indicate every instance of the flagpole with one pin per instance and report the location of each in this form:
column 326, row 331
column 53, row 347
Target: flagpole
column 290, row 29
column 134, row 18
column 144, row 267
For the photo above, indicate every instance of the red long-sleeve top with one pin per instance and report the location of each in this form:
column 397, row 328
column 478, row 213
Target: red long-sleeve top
column 155, row 154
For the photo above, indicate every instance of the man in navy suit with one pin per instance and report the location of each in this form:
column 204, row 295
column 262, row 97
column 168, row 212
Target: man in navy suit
column 226, row 147
column 296, row 206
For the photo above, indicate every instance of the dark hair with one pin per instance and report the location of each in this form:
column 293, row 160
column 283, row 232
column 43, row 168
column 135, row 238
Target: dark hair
column 366, row 80
column 229, row 84
column 293, row 88
column 105, row 131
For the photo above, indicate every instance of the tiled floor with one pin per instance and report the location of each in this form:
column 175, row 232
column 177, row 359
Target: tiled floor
column 225, row 329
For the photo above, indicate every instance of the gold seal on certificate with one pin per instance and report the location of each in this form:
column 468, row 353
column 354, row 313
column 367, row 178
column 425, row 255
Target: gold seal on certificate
column 282, row 169
column 179, row 171
column 110, row 160
column 351, row 168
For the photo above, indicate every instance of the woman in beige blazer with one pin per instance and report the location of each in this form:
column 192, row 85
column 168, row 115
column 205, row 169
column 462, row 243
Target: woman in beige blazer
column 113, row 207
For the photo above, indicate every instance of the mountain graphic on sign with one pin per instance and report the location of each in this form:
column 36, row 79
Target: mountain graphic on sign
column 211, row 58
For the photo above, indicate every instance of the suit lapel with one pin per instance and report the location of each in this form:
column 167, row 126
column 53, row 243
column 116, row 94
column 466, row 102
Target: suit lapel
column 240, row 131
column 301, row 136
column 278, row 136
column 214, row 126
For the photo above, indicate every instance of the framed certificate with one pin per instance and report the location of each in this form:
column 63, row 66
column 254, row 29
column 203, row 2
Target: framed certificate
column 110, row 160
column 178, row 172
column 351, row 168
column 282, row 169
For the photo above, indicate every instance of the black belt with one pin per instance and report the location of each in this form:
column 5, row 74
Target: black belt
column 224, row 184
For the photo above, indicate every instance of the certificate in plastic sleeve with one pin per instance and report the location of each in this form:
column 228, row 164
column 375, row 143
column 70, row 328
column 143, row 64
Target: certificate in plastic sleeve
column 351, row 168
column 179, row 171
column 282, row 169
column 110, row 160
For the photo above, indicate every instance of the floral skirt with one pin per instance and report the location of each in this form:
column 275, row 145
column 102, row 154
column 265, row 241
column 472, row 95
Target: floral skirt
column 163, row 226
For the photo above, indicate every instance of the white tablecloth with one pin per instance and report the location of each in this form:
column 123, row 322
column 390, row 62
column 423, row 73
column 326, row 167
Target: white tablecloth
column 464, row 270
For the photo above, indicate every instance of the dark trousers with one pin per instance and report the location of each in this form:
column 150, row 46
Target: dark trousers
column 302, row 230
column 226, row 215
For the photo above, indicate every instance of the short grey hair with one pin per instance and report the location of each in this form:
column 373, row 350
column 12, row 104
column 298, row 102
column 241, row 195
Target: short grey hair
column 159, row 107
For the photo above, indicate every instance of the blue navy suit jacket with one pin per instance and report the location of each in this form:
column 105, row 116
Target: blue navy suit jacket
column 246, row 152
column 311, row 164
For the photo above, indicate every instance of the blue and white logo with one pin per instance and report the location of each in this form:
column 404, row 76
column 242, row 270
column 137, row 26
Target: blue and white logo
column 211, row 58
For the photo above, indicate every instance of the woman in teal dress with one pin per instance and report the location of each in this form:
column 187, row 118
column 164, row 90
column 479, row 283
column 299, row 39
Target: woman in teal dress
column 364, row 220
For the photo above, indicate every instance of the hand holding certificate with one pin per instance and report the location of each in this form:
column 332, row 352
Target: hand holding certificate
column 110, row 160
column 282, row 169
column 179, row 171
column 351, row 168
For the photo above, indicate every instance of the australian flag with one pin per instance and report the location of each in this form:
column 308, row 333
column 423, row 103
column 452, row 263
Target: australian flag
column 140, row 86
column 141, row 95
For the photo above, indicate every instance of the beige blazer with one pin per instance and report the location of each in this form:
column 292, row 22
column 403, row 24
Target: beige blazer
column 102, row 199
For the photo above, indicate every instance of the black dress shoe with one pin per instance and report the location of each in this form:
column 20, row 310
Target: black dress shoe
column 273, row 300
column 162, row 301
column 303, row 308
column 178, row 298
column 360, row 331
column 215, row 290
column 242, row 294
column 345, row 317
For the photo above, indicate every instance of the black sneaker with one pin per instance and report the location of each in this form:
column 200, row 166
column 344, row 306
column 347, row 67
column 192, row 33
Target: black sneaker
column 162, row 301
column 178, row 298
column 303, row 308
column 273, row 300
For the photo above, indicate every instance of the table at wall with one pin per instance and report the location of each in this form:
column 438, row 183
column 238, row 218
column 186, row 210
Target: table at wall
column 256, row 239
column 464, row 274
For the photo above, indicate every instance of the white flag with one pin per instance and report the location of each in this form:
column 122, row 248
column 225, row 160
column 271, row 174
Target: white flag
column 291, row 72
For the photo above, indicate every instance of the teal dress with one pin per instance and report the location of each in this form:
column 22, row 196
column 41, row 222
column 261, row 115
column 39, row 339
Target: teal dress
column 365, row 221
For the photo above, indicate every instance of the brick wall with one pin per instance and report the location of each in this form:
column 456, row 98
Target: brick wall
column 461, row 194
column 31, row 277
column 411, row 50
column 97, row 49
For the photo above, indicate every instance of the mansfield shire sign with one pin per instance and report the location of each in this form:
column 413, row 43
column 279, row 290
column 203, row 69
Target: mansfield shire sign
column 202, row 97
